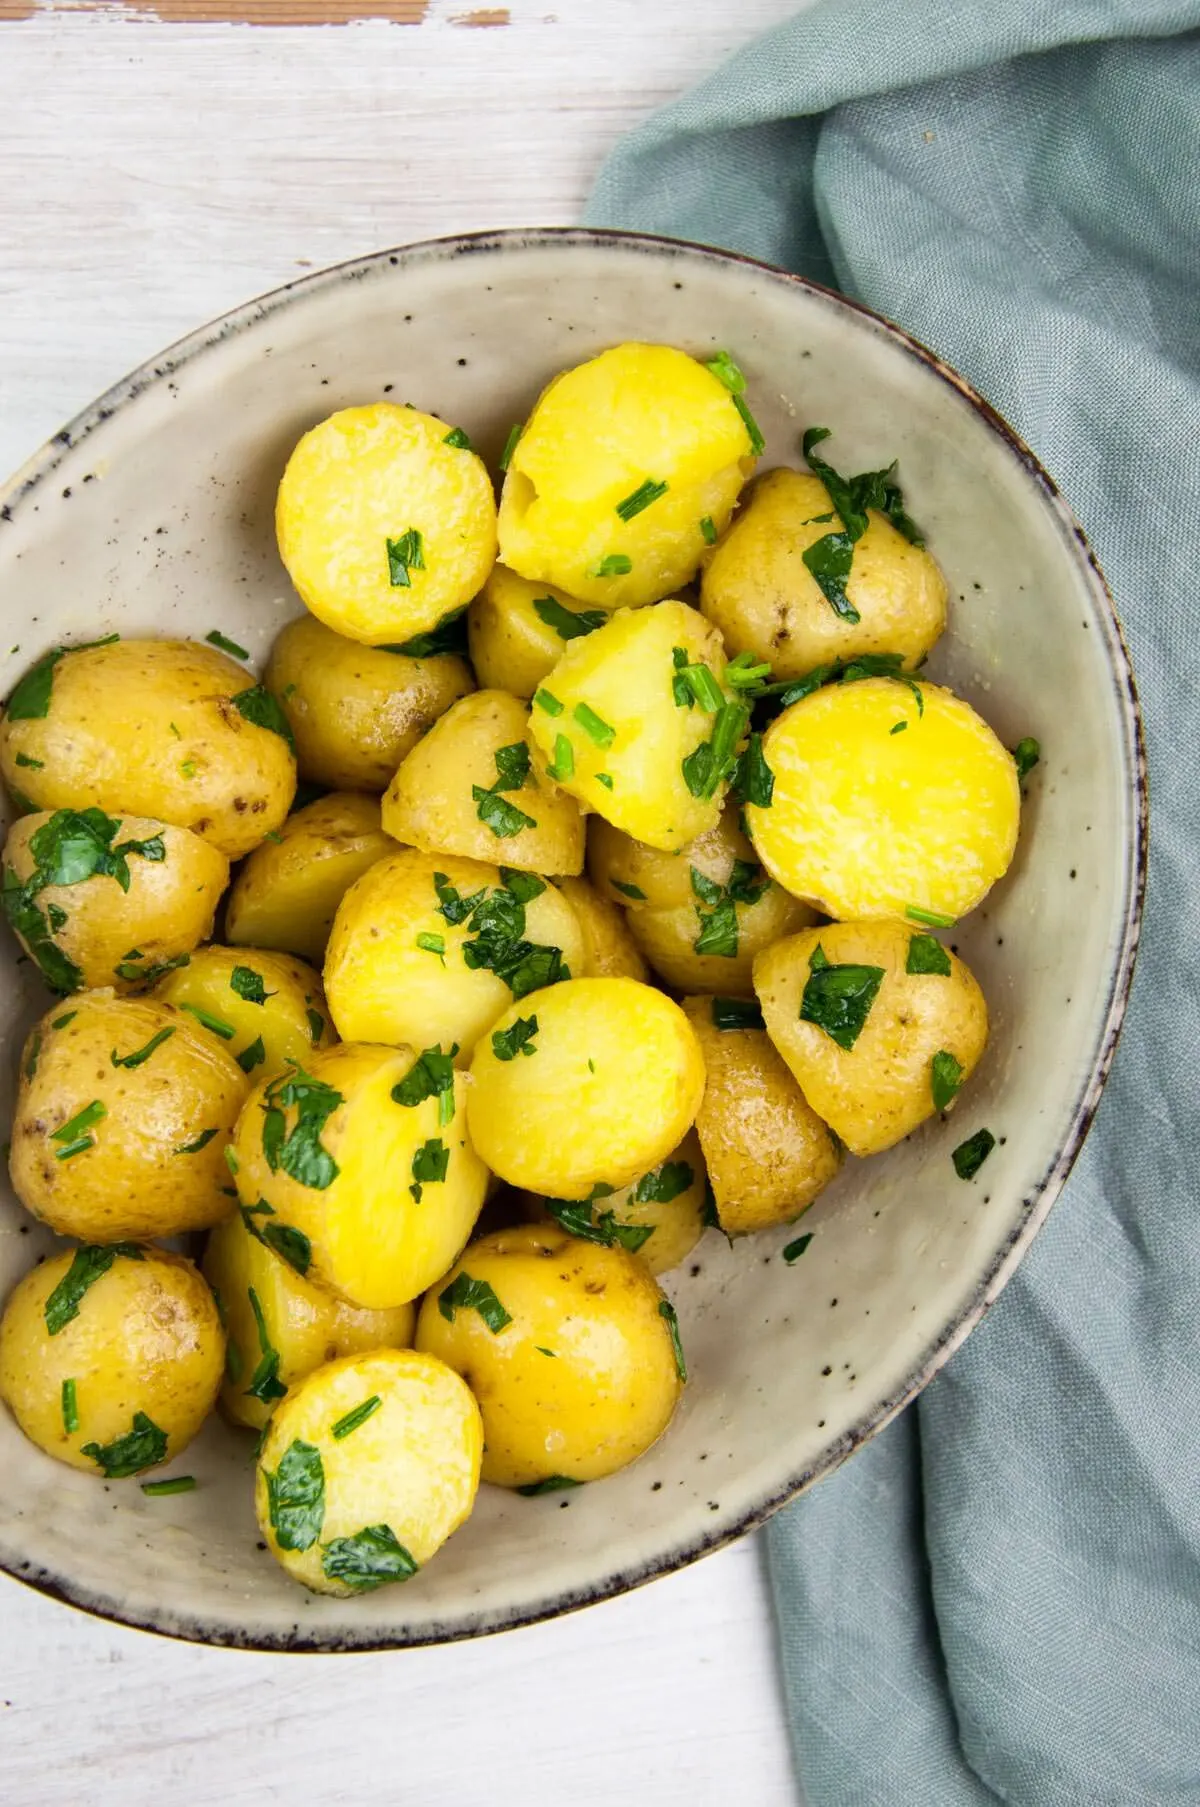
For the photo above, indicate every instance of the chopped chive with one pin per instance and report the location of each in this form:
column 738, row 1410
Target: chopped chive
column 633, row 891
column 70, row 1408
column 74, row 1133
column 60, row 1022
column 746, row 673
column 217, row 638
column 594, row 726
column 564, row 759
column 458, row 439
column 667, row 1310
column 358, row 1416
column 726, row 371
column 433, row 944
column 181, row 1483
column 616, row 564
column 216, row 1024
column 510, row 445
column 605, row 778
column 708, row 529
column 202, row 1141
column 568, row 624
column 547, row 701
column 931, row 918
column 141, row 1054
column 898, row 728
column 757, row 443
column 640, row 498
column 703, row 686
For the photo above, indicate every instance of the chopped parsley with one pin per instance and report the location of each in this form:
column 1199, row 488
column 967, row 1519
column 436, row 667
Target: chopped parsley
column 265, row 1384
column 429, row 1165
column 347, row 1425
column 70, row 1408
column 497, row 923
column 753, row 779
column 88, row 1264
column 291, row 1245
column 140, row 1054
column 494, row 811
column 74, row 1134
column 970, row 1155
column 201, row 1141
column 449, row 636
column 466, row 1294
column 578, row 1217
column 510, row 445
column 129, row 969
column 667, row 1310
column 594, row 726
column 662, row 1184
column 1026, row 754
column 259, row 707
column 641, row 498
column 616, row 564
column 719, row 926
column 454, row 907
column 253, row 1055
column 829, row 558
column 553, row 1483
column 525, row 886
column 68, row 1016
column 794, row 1250
column 299, row 1151
column 405, row 554
column 736, row 1013
column 946, row 1076
column 508, row 1043
column 927, row 955
column 142, row 1446
column 216, row 638
column 296, row 1496
column 30, row 699
column 838, row 999
column 245, row 983
column 316, row 1025
column 430, row 1076
column 898, row 728
column 568, row 624
column 634, row 892
column 372, row 1558
column 458, row 439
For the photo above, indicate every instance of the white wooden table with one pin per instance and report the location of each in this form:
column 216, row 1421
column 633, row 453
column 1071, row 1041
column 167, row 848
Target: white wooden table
column 159, row 163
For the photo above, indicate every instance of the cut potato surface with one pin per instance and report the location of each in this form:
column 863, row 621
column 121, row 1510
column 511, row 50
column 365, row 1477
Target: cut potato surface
column 885, row 805
column 385, row 525
column 659, row 1218
column 609, row 950
column 517, row 629
column 286, row 894
column 265, row 1008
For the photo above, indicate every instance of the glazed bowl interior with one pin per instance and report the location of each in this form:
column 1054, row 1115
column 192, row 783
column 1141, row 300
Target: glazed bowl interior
column 153, row 514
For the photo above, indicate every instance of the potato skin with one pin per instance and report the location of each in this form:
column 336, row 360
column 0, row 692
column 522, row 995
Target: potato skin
column 609, row 950
column 146, row 1338
column 877, row 1092
column 134, row 1180
column 676, row 1224
column 287, row 892
column 148, row 728
column 511, row 647
column 608, row 1390
column 767, row 1152
column 355, row 710
column 757, row 589
column 167, row 910
column 412, row 1466
column 293, row 1020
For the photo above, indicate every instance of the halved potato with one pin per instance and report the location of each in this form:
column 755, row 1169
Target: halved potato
column 516, row 630
column 659, row 1217
column 609, row 950
column 266, row 1008
column 286, row 894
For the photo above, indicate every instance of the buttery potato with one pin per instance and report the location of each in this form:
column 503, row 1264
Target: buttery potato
column 569, row 1351
column 286, row 894
column 279, row 1326
column 163, row 728
column 609, row 950
column 123, row 1115
column 356, row 711
column 473, row 787
column 616, row 736
column 359, row 1170
column 891, row 798
column 600, row 1090
column 659, row 1218
column 104, row 900
column 266, row 1008
column 879, row 1023
column 386, row 522
column 367, row 1468
column 110, row 1358
column 516, row 630
column 621, row 462
column 426, row 947
column 757, row 589
column 767, row 1152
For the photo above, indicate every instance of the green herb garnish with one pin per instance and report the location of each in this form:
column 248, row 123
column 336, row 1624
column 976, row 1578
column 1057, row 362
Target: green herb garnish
column 946, row 1076
column 296, row 1496
column 180, row 1483
column 466, row 1294
column 217, row 638
column 245, row 983
column 201, row 1141
column 253, row 1055
column 970, row 1155
column 359, row 1415
column 74, row 1134
column 662, row 1184
column 667, row 1310
column 429, row 1165
column 568, row 624
column 927, row 955
column 616, row 564
column 432, row 944
column 448, row 636
column 495, row 812
column 142, row 1446
column 747, row 673
column 30, row 699
column 553, row 1483
column 547, row 701
column 316, row 1025
column 736, row 1013
column 716, row 760
column 405, row 554
column 430, row 1076
column 508, row 1043
column 34, row 765
column 371, row 1558
column 594, row 726
column 88, row 1264
column 140, row 1054
column 265, row 1385
column 794, row 1250
column 932, row 918
column 578, row 1217
column 458, row 439
column 696, row 684
column 146, row 975
column 216, row 1025
column 838, row 999
column 497, row 922
column 70, row 1408
column 708, row 529
column 641, row 498
column 563, row 764
column 299, row 1151
column 524, row 886
column 510, row 445
column 634, row 892
column 1026, row 754
column 452, row 906
column 259, row 707
column 829, row 558
column 753, row 779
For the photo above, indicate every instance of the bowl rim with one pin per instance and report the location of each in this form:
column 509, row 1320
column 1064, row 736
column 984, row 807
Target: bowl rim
column 1037, row 1202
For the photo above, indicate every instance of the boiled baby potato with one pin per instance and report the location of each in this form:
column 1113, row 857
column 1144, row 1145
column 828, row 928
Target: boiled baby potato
column 659, row 1218
column 571, row 1351
column 609, row 950
column 108, row 900
column 286, row 894
column 426, row 947
column 266, row 1008
column 354, row 710
column 767, row 1152
column 516, row 630
column 757, row 589
column 386, row 522
column 626, row 468
column 473, row 787
column 357, row 1168
column 621, row 730
column 591, row 1082
column 280, row 1327
column 878, row 1021
column 367, row 1468
column 164, row 728
column 124, row 1111
column 110, row 1358
column 890, row 798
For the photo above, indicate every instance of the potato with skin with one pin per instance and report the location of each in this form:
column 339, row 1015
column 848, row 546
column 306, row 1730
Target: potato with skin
column 110, row 1359
column 609, row 950
column 885, row 805
column 517, row 629
column 618, row 466
column 362, row 1160
column 123, row 1115
column 475, row 787
column 768, row 1153
column 366, row 1469
column 601, row 1090
column 659, row 1217
column 575, row 1373
column 880, row 1024
column 279, row 1326
column 757, row 589
column 265, row 1008
column 168, row 729
column 356, row 711
column 385, row 524
column 396, row 969
column 287, row 893
column 105, row 900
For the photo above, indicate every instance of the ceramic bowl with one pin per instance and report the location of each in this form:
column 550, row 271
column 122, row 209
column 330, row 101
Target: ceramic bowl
column 152, row 513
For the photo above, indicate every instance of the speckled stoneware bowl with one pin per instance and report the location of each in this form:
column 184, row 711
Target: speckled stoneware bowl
column 152, row 513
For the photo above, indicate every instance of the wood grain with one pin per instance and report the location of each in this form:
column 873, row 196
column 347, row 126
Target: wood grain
column 225, row 12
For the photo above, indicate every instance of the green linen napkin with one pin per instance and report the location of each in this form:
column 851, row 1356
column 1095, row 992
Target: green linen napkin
column 999, row 1598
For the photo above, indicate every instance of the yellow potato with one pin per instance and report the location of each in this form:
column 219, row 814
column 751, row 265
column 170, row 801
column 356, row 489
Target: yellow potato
column 123, row 1116
column 767, row 1152
column 396, row 969
column 609, row 950
column 110, row 1359
column 384, row 524
column 608, row 712
column 600, row 1091
column 758, row 590
column 286, row 894
column 266, row 1008
column 516, row 630
column 474, row 787
column 886, row 806
column 366, row 1470
column 108, row 900
column 620, row 463
column 162, row 728
column 358, row 1170
column 568, row 1349
column 880, row 1027
column 355, row 710
column 659, row 1218
column 280, row 1327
